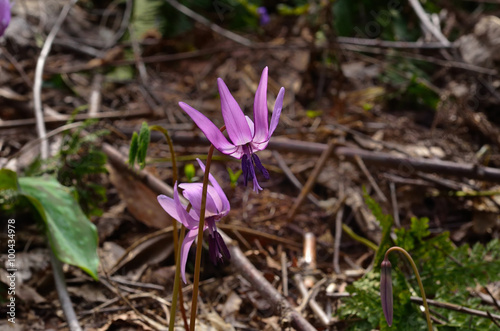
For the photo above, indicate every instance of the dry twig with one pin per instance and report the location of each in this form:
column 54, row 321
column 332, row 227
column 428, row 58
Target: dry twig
column 214, row 27
column 312, row 179
column 424, row 18
column 62, row 291
column 242, row 265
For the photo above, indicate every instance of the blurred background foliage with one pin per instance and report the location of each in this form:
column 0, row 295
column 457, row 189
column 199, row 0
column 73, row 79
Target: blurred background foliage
column 407, row 80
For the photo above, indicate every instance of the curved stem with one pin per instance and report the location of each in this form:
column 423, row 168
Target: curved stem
column 419, row 280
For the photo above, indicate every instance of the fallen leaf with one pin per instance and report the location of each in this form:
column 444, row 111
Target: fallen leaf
column 141, row 201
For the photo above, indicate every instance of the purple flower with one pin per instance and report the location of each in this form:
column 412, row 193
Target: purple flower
column 247, row 136
column 264, row 16
column 4, row 15
column 217, row 206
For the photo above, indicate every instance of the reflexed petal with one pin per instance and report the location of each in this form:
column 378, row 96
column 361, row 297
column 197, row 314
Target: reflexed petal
column 260, row 111
column 193, row 192
column 186, row 245
column 278, row 105
column 259, row 146
column 214, row 196
column 250, row 124
column 168, row 204
column 225, row 202
column 238, row 153
column 185, row 218
column 236, row 124
column 209, row 129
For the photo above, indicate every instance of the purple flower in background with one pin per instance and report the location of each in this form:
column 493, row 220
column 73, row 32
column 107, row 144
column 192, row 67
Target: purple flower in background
column 247, row 136
column 217, row 206
column 4, row 15
column 264, row 16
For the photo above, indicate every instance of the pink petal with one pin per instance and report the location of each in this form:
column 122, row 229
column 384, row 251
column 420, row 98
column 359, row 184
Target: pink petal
column 278, row 105
column 186, row 245
column 250, row 124
column 260, row 111
column 238, row 153
column 168, row 204
column 209, row 129
column 5, row 15
column 185, row 218
column 225, row 202
column 236, row 124
column 193, row 191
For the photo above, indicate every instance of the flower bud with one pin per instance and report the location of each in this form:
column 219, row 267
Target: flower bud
column 386, row 290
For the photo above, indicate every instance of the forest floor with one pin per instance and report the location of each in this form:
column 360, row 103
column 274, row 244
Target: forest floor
column 344, row 134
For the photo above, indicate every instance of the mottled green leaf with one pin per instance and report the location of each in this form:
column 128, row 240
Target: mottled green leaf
column 72, row 237
column 8, row 188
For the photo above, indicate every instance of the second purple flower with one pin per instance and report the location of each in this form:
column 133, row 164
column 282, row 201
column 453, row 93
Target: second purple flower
column 247, row 136
column 217, row 206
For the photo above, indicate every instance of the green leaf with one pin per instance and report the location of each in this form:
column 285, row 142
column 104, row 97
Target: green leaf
column 72, row 237
column 233, row 176
column 120, row 74
column 147, row 16
column 134, row 147
column 144, row 136
column 8, row 189
column 420, row 227
column 8, row 180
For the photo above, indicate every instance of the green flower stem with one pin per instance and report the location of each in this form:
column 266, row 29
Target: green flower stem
column 171, row 148
column 201, row 225
column 419, row 280
column 359, row 239
column 177, row 241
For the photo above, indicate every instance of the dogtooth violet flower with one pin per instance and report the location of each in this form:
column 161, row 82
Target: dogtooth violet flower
column 247, row 136
column 4, row 15
column 217, row 206
column 263, row 15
